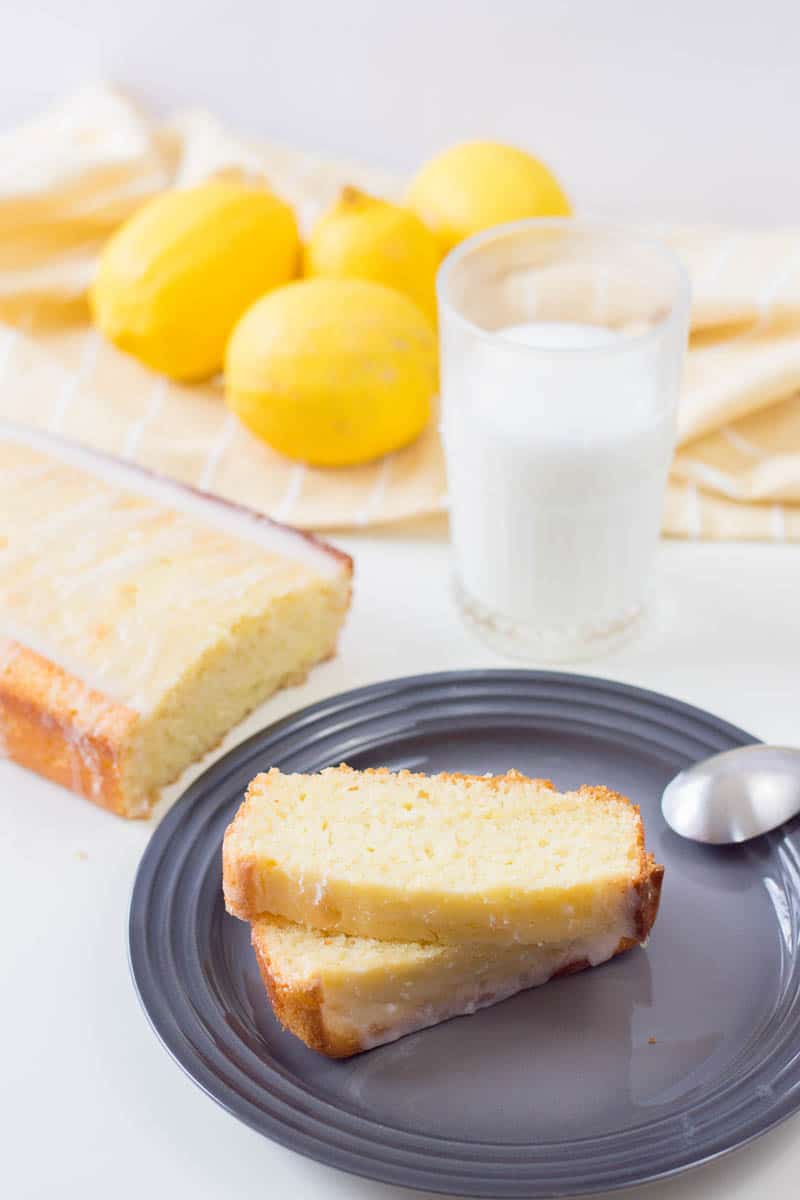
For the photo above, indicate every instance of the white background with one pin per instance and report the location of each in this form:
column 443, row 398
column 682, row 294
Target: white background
column 676, row 111
column 681, row 110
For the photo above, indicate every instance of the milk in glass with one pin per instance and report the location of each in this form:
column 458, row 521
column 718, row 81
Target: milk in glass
column 557, row 463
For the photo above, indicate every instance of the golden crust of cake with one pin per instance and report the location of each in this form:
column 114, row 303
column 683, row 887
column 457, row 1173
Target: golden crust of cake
column 329, row 895
column 649, row 877
column 53, row 724
column 299, row 1008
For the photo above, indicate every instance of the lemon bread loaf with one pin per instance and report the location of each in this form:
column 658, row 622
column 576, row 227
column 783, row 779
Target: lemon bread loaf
column 341, row 994
column 140, row 620
column 446, row 858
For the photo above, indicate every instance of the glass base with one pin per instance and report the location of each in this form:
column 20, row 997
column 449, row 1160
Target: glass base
column 533, row 643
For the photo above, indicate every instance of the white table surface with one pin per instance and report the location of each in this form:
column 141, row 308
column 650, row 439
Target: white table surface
column 91, row 1106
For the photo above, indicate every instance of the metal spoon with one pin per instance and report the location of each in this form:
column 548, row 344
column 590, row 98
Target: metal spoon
column 734, row 796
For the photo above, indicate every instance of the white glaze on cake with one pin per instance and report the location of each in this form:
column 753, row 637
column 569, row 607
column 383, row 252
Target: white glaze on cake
column 79, row 544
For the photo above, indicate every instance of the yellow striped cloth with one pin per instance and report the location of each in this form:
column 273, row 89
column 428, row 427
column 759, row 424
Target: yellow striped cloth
column 68, row 178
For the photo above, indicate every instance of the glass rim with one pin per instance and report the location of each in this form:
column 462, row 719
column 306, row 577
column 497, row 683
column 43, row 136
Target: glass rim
column 678, row 308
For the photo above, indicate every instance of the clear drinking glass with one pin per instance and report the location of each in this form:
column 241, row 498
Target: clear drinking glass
column 561, row 352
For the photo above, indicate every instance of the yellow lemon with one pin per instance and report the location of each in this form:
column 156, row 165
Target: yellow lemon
column 475, row 185
column 332, row 371
column 175, row 278
column 362, row 237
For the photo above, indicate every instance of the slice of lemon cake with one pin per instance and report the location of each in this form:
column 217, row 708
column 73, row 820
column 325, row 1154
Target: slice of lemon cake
column 445, row 858
column 140, row 620
column 341, row 995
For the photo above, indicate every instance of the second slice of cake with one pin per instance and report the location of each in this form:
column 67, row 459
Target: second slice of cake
column 448, row 858
column 341, row 995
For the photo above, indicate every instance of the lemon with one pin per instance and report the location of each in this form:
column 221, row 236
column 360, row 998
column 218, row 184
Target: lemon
column 174, row 279
column 332, row 372
column 362, row 237
column 475, row 185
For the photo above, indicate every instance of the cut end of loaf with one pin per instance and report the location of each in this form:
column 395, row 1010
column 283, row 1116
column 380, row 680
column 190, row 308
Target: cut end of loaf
column 104, row 687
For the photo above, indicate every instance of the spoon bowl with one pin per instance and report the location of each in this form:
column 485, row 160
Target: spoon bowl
column 734, row 796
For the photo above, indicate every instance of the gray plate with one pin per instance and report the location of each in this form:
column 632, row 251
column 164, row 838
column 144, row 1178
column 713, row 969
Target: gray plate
column 659, row 1060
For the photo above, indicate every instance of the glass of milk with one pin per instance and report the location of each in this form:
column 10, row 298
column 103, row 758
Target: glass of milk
column 561, row 351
